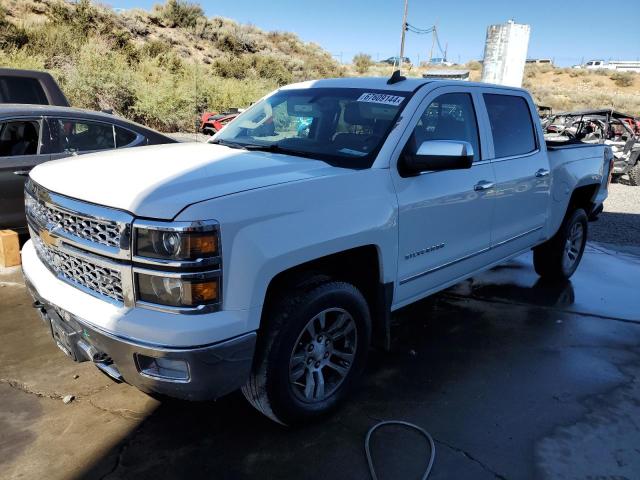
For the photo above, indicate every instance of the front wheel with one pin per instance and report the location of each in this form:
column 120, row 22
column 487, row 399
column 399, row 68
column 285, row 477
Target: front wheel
column 314, row 350
column 559, row 257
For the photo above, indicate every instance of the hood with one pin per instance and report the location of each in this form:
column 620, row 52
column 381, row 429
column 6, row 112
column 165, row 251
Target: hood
column 159, row 181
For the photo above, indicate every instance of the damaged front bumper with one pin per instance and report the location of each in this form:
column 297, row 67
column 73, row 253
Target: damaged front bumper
column 191, row 373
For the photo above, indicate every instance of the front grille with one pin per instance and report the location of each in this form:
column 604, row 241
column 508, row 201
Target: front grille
column 98, row 279
column 99, row 231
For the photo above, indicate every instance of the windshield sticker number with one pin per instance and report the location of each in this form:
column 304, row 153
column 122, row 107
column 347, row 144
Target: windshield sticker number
column 383, row 98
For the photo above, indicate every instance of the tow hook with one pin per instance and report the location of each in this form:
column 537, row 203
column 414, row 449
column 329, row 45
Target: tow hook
column 38, row 305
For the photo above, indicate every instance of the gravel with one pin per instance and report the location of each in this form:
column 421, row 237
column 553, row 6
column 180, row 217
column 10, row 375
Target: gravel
column 619, row 223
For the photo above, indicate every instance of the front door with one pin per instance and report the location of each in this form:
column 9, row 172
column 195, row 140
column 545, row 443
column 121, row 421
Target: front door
column 19, row 153
column 444, row 216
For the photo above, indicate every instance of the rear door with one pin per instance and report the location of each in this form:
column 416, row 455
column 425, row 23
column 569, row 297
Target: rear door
column 20, row 151
column 522, row 172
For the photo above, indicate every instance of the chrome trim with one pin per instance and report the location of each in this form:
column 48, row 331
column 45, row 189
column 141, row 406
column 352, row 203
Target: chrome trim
column 467, row 257
column 160, row 377
column 523, row 234
column 483, row 185
column 513, row 157
column 89, row 211
column 180, row 275
column 195, row 226
column 123, row 270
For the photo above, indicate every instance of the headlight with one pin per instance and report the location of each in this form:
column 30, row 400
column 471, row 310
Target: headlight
column 177, row 265
column 178, row 290
column 174, row 244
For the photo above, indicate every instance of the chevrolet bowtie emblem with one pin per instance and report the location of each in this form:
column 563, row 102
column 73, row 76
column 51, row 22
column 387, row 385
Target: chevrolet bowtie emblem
column 47, row 238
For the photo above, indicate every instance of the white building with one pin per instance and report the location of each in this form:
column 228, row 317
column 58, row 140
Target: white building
column 505, row 53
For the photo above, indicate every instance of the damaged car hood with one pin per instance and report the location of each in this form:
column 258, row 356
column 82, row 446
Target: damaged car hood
column 159, row 181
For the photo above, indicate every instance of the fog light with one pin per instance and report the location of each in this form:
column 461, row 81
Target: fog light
column 163, row 368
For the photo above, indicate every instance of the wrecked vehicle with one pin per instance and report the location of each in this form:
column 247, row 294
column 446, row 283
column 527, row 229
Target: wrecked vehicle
column 618, row 130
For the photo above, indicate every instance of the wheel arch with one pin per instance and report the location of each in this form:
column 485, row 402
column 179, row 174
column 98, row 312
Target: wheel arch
column 360, row 266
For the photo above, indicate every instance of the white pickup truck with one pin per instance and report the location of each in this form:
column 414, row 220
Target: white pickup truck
column 271, row 259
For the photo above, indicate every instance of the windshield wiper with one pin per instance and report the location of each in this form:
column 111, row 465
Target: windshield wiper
column 229, row 144
column 275, row 148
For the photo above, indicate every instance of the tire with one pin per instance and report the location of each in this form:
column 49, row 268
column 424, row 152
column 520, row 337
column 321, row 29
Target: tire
column 209, row 131
column 559, row 257
column 285, row 384
column 634, row 174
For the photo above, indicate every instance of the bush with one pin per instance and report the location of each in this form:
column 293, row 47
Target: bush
column 101, row 79
column 362, row 62
column 474, row 65
column 179, row 13
column 622, row 79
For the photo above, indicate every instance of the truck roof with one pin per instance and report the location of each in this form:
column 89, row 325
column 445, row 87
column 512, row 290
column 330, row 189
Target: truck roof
column 380, row 83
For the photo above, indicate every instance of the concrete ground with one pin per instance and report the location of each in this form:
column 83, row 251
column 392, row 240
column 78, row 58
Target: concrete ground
column 515, row 379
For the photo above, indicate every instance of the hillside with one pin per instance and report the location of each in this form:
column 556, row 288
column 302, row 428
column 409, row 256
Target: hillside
column 162, row 67
column 158, row 67
column 561, row 88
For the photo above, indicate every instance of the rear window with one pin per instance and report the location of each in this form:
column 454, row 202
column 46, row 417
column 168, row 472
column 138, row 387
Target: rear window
column 124, row 137
column 21, row 90
column 511, row 125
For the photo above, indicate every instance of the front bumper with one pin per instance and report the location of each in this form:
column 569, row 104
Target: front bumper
column 212, row 370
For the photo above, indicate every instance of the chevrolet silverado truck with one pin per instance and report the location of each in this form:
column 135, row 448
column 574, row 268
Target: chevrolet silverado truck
column 272, row 258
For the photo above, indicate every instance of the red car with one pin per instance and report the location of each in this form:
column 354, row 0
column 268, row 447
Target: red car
column 212, row 122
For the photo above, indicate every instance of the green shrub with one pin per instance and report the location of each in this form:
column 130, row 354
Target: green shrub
column 101, row 79
column 362, row 62
column 179, row 13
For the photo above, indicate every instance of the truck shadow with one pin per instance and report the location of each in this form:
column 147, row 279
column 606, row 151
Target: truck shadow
column 446, row 337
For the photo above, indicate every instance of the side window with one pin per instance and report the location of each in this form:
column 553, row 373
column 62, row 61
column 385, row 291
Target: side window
column 124, row 137
column 68, row 135
column 19, row 138
column 449, row 117
column 21, row 90
column 511, row 125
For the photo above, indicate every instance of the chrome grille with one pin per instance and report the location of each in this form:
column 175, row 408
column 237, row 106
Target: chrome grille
column 99, row 231
column 98, row 279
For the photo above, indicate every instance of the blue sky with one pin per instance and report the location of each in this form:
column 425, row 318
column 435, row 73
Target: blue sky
column 567, row 31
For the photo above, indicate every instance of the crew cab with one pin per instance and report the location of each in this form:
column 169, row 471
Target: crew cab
column 272, row 258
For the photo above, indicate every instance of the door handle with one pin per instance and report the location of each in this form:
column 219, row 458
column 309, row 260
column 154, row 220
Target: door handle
column 483, row 185
column 22, row 173
column 543, row 172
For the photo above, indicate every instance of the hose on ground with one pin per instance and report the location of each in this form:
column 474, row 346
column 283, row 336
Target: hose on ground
column 432, row 446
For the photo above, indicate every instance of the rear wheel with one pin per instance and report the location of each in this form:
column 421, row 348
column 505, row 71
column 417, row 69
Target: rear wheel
column 559, row 257
column 314, row 349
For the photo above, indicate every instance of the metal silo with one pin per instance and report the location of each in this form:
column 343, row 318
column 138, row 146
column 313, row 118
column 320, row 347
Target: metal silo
column 505, row 53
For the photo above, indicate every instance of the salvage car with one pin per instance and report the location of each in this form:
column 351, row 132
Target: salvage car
column 271, row 259
column 33, row 134
column 616, row 129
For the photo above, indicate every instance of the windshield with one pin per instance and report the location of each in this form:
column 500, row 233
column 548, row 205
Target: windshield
column 345, row 127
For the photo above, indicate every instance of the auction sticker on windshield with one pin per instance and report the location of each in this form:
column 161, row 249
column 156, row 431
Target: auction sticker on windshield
column 381, row 98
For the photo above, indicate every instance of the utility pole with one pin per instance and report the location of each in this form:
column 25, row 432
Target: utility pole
column 404, row 29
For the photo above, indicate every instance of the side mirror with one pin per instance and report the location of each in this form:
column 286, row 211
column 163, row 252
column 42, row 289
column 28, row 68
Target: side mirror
column 439, row 155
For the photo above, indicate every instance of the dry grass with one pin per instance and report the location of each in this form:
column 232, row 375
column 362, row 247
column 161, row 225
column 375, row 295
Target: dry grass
column 161, row 67
column 560, row 88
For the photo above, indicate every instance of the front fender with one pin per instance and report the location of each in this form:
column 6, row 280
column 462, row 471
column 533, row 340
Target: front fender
column 269, row 230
